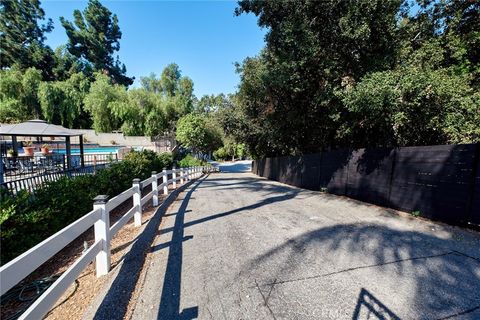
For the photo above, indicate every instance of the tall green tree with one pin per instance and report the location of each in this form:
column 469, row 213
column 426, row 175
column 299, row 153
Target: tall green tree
column 22, row 37
column 197, row 133
column 95, row 36
column 151, row 83
column 170, row 78
column 62, row 101
column 19, row 95
column 212, row 103
column 67, row 64
column 101, row 101
column 305, row 91
column 411, row 106
column 312, row 49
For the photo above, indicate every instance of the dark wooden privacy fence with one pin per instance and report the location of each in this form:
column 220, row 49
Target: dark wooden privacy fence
column 440, row 182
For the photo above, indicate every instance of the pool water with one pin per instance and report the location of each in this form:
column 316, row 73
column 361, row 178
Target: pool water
column 89, row 150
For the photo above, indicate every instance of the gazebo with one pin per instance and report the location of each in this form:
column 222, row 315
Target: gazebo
column 40, row 128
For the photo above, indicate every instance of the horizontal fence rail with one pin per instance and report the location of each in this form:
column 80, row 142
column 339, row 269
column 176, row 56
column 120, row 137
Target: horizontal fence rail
column 438, row 182
column 16, row 270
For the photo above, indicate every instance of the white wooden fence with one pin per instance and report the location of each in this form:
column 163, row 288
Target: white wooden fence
column 16, row 270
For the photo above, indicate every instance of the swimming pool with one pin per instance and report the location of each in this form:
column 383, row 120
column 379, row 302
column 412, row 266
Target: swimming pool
column 89, row 150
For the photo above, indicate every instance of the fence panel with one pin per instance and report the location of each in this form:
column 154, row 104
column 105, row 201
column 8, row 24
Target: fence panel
column 293, row 174
column 433, row 180
column 310, row 171
column 437, row 181
column 369, row 175
column 261, row 167
column 333, row 171
column 289, row 170
column 475, row 201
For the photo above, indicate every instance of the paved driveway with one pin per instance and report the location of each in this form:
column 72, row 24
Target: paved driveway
column 234, row 166
column 235, row 246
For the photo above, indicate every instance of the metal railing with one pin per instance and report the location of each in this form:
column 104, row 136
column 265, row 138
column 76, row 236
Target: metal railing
column 16, row 270
column 20, row 167
column 34, row 182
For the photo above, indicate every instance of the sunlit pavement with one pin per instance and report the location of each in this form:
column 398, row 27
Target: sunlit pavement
column 233, row 166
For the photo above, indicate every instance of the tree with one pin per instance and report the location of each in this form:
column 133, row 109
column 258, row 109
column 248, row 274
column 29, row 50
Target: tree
column 212, row 103
column 67, row 64
column 411, row 106
column 313, row 48
column 299, row 95
column 18, row 95
column 94, row 36
column 101, row 101
column 151, row 83
column 22, row 38
column 175, row 95
column 62, row 101
column 195, row 132
column 170, row 78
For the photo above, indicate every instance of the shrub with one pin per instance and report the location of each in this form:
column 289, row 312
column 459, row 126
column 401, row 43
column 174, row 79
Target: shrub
column 220, row 154
column 190, row 161
column 27, row 220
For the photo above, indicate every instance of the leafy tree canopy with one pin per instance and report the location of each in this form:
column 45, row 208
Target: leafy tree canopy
column 304, row 92
column 22, row 37
column 196, row 132
column 94, row 36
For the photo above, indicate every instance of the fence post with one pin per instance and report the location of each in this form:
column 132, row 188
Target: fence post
column 155, row 189
column 174, row 177
column 187, row 170
column 181, row 175
column 165, row 181
column 102, row 233
column 137, row 202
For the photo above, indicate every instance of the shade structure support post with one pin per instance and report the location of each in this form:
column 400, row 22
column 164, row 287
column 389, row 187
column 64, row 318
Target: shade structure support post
column 68, row 148
column 15, row 145
column 82, row 156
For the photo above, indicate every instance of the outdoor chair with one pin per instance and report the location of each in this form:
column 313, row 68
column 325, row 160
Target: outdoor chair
column 8, row 166
column 46, row 164
column 26, row 166
column 57, row 160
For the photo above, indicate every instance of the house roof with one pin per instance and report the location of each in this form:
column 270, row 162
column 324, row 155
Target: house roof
column 37, row 128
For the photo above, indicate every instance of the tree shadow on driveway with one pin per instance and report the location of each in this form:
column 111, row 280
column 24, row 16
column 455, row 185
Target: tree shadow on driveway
column 169, row 307
column 446, row 279
column 171, row 290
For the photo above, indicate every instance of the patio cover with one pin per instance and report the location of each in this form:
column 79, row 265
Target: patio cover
column 37, row 128
column 41, row 128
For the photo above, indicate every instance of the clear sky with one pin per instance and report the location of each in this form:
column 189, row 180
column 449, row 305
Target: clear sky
column 203, row 37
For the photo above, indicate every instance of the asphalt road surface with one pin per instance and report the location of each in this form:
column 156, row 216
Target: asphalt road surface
column 235, row 246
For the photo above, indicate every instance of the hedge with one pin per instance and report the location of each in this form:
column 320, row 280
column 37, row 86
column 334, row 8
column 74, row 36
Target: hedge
column 26, row 220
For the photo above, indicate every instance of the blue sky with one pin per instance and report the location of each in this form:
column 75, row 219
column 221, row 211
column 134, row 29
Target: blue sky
column 203, row 37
